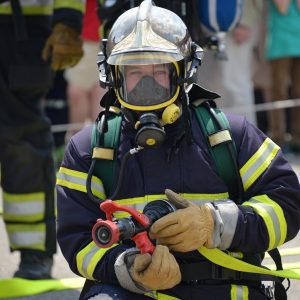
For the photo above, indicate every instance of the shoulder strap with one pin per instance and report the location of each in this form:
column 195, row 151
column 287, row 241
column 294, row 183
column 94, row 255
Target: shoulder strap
column 217, row 130
column 106, row 153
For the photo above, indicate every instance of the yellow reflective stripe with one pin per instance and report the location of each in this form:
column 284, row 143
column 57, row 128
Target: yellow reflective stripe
column 76, row 180
column 239, row 292
column 28, row 207
column 222, row 259
column 149, row 198
column 139, row 202
column 28, row 10
column 88, row 258
column 73, row 4
column 23, row 218
column 24, row 197
column 202, row 197
column 258, row 163
column 278, row 220
column 28, row 236
column 273, row 217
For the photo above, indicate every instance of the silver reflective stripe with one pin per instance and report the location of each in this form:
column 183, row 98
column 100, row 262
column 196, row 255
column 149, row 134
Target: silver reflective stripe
column 87, row 259
column 73, row 179
column 80, row 181
column 238, row 255
column 258, row 162
column 239, row 292
column 23, row 239
column 24, row 208
column 272, row 217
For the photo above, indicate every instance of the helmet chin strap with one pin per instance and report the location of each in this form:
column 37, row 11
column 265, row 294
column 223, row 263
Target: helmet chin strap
column 186, row 117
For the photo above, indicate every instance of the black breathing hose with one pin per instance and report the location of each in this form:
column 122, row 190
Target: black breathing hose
column 122, row 168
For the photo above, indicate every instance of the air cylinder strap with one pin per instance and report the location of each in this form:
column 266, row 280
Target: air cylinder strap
column 107, row 168
column 217, row 139
column 222, row 259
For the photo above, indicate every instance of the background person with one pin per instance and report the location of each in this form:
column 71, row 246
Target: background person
column 232, row 78
column 29, row 32
column 83, row 90
column 283, row 53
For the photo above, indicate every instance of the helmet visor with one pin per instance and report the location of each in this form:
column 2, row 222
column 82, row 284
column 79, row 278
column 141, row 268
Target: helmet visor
column 147, row 86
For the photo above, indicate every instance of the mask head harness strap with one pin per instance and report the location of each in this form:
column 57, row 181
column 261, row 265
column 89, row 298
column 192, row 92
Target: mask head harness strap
column 105, row 78
column 195, row 58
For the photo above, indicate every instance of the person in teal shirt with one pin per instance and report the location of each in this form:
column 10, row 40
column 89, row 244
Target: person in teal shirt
column 283, row 52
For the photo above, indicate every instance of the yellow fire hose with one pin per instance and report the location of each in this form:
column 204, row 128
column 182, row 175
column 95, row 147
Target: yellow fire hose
column 17, row 287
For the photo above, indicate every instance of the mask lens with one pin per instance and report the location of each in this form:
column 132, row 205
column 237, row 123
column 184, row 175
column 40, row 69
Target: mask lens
column 147, row 85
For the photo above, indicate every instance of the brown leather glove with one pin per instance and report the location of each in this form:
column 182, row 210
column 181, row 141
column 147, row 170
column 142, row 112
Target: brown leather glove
column 157, row 272
column 63, row 47
column 186, row 229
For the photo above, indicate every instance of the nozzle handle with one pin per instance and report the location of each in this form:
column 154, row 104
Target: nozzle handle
column 143, row 242
column 109, row 207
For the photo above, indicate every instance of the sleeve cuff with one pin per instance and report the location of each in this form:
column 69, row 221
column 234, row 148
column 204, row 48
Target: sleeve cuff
column 122, row 265
column 226, row 214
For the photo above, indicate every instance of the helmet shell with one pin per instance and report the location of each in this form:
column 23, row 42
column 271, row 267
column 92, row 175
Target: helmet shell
column 148, row 28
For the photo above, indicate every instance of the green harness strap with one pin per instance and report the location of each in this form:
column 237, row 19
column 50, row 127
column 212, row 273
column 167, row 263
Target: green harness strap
column 217, row 139
column 105, row 168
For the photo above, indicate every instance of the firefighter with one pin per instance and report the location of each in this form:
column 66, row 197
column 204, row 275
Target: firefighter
column 37, row 38
column 151, row 59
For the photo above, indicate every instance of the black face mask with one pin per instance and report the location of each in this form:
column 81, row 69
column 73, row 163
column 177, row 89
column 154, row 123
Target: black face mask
column 148, row 92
